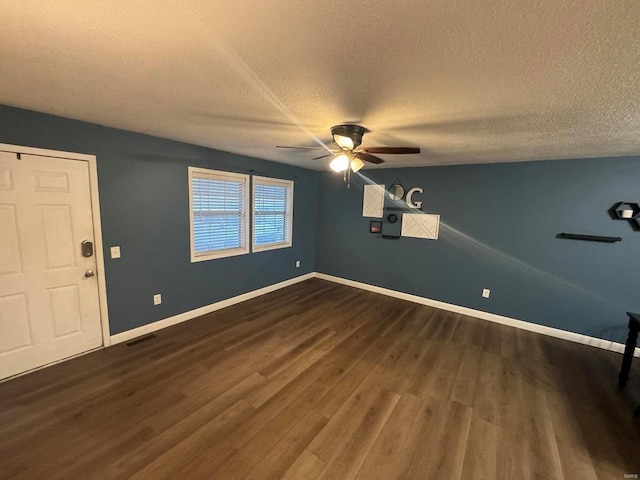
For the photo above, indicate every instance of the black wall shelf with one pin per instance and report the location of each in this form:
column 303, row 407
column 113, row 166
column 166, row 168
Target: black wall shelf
column 589, row 238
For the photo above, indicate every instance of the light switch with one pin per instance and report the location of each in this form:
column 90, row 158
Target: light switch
column 115, row 252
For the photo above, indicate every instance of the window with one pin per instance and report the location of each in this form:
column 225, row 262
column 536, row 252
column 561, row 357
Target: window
column 272, row 213
column 218, row 204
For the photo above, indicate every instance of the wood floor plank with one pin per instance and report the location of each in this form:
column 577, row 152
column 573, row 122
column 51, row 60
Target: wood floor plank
column 295, row 429
column 492, row 338
column 384, row 460
column 166, row 438
column 509, row 342
column 439, row 377
column 363, row 418
column 513, row 460
column 543, row 449
column 285, row 452
column 291, row 403
column 576, row 463
column 209, row 460
column 186, row 452
column 352, row 348
column 466, row 378
column 482, row 450
column 282, row 380
column 320, row 380
column 443, row 444
column 349, row 381
column 491, row 393
column 469, row 331
column 297, row 350
column 307, row 467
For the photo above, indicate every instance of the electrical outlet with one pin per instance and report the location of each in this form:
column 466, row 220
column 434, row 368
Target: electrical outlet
column 115, row 252
column 297, row 263
column 486, row 292
column 157, row 299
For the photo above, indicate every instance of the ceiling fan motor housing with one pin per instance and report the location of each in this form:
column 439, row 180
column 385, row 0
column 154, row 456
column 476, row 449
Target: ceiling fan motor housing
column 354, row 132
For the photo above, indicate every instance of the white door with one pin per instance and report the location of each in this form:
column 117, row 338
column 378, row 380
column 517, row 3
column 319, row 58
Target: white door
column 49, row 309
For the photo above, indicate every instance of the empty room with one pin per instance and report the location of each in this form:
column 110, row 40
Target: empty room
column 366, row 240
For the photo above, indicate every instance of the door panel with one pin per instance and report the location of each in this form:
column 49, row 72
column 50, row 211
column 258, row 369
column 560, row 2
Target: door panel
column 5, row 179
column 65, row 307
column 58, row 236
column 15, row 323
column 48, row 309
column 51, row 182
column 10, row 261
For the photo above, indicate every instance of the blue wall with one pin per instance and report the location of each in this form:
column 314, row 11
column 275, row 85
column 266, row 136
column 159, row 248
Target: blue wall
column 145, row 209
column 498, row 231
column 499, row 223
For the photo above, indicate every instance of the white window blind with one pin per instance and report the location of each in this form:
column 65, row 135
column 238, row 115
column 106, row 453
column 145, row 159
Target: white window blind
column 272, row 213
column 218, row 214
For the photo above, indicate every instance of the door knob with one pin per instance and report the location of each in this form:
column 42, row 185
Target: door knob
column 89, row 274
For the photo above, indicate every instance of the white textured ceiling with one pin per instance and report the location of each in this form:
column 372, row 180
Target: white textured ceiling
column 467, row 81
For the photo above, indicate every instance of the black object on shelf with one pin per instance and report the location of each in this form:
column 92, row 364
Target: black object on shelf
column 626, row 210
column 589, row 238
column 391, row 230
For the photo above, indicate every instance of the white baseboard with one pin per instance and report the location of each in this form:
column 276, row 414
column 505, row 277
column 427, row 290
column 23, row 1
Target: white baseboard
column 183, row 317
column 492, row 317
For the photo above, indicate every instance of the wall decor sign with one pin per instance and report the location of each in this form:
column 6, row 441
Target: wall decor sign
column 373, row 201
column 375, row 226
column 410, row 202
column 629, row 211
column 420, row 225
column 396, row 191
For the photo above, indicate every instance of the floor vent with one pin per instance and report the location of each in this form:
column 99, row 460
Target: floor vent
column 140, row 340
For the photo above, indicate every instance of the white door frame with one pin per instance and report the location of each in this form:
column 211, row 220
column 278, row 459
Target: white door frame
column 97, row 224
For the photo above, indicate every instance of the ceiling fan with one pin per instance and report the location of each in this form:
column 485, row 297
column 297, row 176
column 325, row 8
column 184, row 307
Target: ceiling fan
column 348, row 138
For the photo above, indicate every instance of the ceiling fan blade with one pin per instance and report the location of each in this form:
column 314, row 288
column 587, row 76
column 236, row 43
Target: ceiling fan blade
column 369, row 158
column 324, row 156
column 301, row 148
column 390, row 150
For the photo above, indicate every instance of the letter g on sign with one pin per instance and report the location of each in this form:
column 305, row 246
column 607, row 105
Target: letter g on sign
column 410, row 201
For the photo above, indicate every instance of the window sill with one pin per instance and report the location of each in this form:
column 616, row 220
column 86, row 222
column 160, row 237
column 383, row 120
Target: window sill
column 273, row 246
column 217, row 255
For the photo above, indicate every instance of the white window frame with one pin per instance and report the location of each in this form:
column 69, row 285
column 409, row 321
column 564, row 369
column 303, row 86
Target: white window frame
column 219, row 175
column 289, row 233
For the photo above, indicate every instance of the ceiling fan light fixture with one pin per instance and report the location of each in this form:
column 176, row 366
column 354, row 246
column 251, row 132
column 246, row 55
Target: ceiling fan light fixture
column 340, row 163
column 348, row 136
column 343, row 142
column 356, row 164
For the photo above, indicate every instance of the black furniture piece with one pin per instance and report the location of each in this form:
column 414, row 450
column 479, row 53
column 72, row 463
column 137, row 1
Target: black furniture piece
column 629, row 350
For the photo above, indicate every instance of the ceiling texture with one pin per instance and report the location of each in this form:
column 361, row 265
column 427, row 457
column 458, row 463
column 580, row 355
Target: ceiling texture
column 466, row 81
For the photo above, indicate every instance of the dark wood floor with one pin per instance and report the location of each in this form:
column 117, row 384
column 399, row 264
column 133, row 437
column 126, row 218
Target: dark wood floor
column 322, row 381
